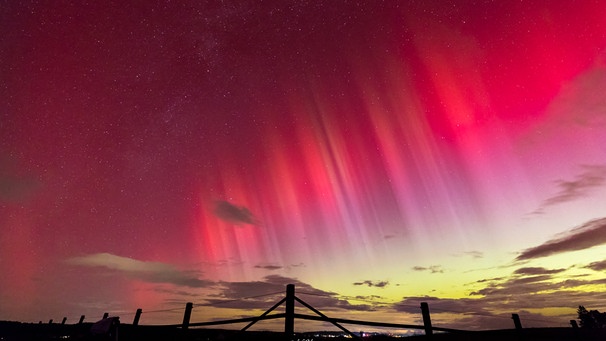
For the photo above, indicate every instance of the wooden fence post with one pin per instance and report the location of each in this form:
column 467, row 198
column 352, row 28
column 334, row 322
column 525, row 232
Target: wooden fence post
column 289, row 319
column 137, row 317
column 64, row 319
column 81, row 319
column 516, row 321
column 426, row 318
column 187, row 315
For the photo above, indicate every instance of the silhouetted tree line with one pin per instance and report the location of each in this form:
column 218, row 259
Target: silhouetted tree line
column 591, row 319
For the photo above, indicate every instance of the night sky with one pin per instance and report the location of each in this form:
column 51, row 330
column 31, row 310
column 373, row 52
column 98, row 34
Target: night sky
column 376, row 154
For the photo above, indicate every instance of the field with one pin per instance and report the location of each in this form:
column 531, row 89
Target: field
column 16, row 331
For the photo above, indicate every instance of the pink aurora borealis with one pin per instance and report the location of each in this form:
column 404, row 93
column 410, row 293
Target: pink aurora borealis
column 376, row 153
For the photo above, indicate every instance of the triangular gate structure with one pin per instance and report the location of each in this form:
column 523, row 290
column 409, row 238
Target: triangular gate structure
column 289, row 315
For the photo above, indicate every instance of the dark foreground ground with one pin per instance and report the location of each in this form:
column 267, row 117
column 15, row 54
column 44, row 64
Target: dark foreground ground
column 15, row 331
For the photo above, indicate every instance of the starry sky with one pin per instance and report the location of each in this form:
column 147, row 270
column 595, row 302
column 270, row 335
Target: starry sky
column 376, row 154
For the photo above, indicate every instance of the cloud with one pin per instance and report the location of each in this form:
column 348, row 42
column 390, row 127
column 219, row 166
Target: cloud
column 412, row 304
column 474, row 254
column 476, row 313
column 516, row 286
column 597, row 266
column 484, row 280
column 537, row 271
column 593, row 176
column 231, row 213
column 582, row 101
column 154, row 272
column 268, row 267
column 433, row 269
column 531, row 281
column 524, row 290
column 369, row 297
column 580, row 104
column 370, row 284
column 590, row 234
column 264, row 293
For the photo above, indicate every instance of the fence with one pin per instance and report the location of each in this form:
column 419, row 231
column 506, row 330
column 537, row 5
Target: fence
column 289, row 317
